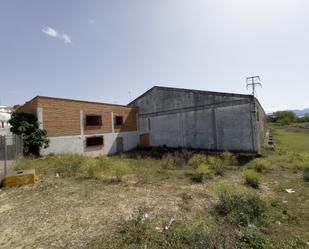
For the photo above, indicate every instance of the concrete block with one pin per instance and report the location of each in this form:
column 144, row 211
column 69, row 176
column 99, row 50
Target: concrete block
column 18, row 178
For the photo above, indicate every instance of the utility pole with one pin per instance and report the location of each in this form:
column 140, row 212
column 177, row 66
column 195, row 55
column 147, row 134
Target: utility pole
column 252, row 82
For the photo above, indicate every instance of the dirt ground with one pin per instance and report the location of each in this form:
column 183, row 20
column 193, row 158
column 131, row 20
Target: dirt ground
column 58, row 213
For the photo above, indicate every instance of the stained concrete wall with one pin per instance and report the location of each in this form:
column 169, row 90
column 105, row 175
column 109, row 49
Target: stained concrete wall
column 77, row 144
column 200, row 120
column 164, row 99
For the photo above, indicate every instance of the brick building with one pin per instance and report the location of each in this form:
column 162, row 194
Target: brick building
column 85, row 127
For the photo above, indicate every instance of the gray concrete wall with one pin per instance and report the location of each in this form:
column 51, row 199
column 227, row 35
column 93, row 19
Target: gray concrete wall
column 261, row 124
column 200, row 120
column 234, row 128
column 165, row 99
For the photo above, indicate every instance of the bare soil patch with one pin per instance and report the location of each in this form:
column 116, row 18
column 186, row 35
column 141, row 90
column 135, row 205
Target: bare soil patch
column 62, row 213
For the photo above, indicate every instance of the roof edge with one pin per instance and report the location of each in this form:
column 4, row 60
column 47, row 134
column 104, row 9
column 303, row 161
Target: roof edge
column 190, row 90
column 73, row 100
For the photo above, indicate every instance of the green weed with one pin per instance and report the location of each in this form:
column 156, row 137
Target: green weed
column 252, row 178
column 197, row 160
column 240, row 205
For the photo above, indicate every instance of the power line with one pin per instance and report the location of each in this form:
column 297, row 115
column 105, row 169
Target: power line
column 253, row 81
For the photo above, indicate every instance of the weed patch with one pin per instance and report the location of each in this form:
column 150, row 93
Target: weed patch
column 217, row 165
column 240, row 205
column 252, row 178
column 201, row 173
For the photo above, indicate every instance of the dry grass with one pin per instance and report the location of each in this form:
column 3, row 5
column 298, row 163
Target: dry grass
column 81, row 202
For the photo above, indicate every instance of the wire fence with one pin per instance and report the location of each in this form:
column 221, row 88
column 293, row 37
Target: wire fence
column 11, row 148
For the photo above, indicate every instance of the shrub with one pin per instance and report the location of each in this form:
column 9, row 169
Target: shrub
column 239, row 205
column 229, row 158
column 252, row 178
column 197, row 160
column 201, row 173
column 306, row 174
column 27, row 126
column 261, row 164
column 182, row 236
column 294, row 161
column 217, row 165
column 173, row 161
column 252, row 239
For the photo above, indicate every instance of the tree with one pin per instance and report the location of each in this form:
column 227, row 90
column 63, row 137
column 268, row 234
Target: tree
column 27, row 126
column 285, row 117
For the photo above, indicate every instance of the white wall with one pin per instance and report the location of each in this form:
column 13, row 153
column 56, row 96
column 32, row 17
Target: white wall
column 5, row 131
column 77, row 144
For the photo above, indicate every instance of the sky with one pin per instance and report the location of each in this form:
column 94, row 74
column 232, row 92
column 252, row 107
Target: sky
column 113, row 51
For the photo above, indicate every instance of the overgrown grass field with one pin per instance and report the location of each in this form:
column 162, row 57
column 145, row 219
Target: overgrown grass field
column 181, row 199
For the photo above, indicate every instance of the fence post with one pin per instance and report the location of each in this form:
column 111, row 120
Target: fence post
column 15, row 141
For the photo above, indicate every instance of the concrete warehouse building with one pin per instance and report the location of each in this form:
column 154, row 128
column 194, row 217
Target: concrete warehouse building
column 162, row 116
column 195, row 119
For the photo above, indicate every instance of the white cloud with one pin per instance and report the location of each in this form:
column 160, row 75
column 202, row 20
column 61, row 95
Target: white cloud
column 55, row 34
column 50, row 31
column 91, row 21
column 66, row 38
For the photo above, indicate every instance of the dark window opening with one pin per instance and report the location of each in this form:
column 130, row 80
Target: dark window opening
column 93, row 120
column 149, row 126
column 118, row 120
column 94, row 141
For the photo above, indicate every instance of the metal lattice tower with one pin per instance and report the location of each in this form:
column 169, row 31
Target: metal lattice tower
column 253, row 81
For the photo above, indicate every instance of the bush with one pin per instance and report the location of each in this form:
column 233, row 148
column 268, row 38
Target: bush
column 196, row 160
column 239, row 205
column 252, row 178
column 27, row 126
column 306, row 174
column 285, row 117
column 261, row 164
column 182, row 236
column 252, row 239
column 217, row 165
column 229, row 159
column 173, row 161
column 201, row 173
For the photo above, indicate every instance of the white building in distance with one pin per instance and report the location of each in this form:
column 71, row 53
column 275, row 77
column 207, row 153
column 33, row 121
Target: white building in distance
column 5, row 115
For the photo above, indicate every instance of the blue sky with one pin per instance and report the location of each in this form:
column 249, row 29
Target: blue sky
column 108, row 50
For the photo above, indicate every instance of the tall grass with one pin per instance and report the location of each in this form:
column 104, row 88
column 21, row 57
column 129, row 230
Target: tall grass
column 118, row 168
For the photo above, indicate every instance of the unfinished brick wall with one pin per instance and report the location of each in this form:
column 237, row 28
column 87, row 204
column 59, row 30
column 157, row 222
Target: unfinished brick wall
column 61, row 117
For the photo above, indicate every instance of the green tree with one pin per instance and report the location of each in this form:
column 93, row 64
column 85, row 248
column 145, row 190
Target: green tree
column 285, row 117
column 27, row 126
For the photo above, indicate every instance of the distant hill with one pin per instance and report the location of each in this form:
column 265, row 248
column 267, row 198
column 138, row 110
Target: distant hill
column 301, row 113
